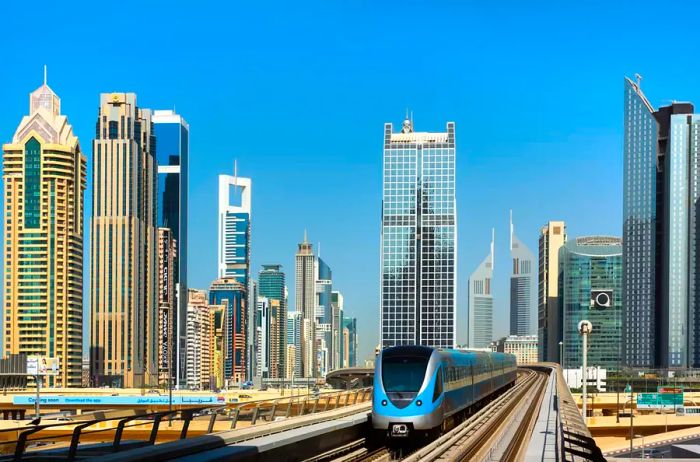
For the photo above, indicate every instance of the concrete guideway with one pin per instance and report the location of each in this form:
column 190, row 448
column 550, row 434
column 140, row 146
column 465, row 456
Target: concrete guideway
column 493, row 433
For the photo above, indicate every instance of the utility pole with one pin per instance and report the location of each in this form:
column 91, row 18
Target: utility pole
column 584, row 328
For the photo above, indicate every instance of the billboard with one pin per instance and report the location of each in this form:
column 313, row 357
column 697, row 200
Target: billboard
column 42, row 365
column 84, row 400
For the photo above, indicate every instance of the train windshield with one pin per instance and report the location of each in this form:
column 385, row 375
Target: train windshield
column 403, row 373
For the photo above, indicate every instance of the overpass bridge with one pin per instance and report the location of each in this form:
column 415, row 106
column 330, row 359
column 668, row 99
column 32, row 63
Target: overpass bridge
column 535, row 420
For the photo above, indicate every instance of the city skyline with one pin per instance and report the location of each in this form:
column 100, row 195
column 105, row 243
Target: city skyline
column 542, row 137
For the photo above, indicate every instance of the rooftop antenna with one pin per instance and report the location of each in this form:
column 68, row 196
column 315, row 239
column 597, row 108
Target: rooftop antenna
column 639, row 80
column 45, row 72
column 306, row 240
column 511, row 229
column 493, row 238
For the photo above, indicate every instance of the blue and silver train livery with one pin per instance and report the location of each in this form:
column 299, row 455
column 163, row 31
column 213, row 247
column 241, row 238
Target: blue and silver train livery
column 425, row 390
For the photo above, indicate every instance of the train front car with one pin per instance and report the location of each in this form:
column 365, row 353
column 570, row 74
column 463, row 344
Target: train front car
column 407, row 391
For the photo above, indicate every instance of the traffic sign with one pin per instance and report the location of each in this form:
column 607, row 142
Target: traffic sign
column 659, row 400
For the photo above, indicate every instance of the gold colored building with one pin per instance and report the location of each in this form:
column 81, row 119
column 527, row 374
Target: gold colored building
column 44, row 177
column 124, row 280
column 167, row 255
column 552, row 238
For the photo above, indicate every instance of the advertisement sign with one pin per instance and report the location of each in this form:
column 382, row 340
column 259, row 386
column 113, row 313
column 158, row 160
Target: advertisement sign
column 164, row 338
column 671, row 390
column 118, row 400
column 659, row 400
column 42, row 365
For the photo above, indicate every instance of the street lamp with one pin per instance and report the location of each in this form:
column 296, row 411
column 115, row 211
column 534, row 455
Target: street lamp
column 584, row 328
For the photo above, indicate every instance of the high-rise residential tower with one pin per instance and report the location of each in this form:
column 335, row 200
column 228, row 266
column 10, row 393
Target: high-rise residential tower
column 660, row 285
column 480, row 328
column 124, row 280
column 549, row 330
column 305, row 279
column 232, row 294
column 523, row 286
column 337, row 306
column 173, row 135
column 591, row 289
column 418, row 238
column 271, row 284
column 44, row 179
column 293, row 367
column 235, row 200
column 167, row 303
column 350, row 325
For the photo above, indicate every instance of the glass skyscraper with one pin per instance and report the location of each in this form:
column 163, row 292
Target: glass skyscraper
column 480, row 328
column 172, row 154
column 523, row 286
column 661, row 166
column 234, row 243
column 591, row 284
column 418, row 238
column 271, row 285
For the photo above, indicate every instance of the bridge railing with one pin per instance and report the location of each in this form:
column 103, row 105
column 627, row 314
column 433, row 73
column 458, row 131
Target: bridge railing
column 575, row 442
column 20, row 443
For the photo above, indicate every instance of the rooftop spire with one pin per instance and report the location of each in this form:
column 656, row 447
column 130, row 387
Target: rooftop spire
column 306, row 238
column 45, row 79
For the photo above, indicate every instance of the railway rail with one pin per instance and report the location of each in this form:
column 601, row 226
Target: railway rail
column 496, row 432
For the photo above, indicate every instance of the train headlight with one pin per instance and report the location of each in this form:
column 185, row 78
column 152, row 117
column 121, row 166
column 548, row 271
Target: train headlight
column 419, row 403
column 384, row 402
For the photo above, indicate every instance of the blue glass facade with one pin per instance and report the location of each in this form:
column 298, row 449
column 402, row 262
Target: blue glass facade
column 639, row 229
column 172, row 154
column 237, row 246
column 588, row 266
column 418, row 238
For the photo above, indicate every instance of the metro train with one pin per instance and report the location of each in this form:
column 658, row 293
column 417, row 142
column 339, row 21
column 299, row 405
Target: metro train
column 424, row 391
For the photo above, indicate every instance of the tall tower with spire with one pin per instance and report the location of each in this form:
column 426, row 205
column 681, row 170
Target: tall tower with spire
column 305, row 279
column 480, row 294
column 523, row 286
column 44, row 175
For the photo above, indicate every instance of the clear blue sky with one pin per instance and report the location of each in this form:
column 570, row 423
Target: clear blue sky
column 298, row 93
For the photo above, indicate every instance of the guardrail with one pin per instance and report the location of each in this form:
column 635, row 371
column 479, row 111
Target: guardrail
column 574, row 440
column 39, row 441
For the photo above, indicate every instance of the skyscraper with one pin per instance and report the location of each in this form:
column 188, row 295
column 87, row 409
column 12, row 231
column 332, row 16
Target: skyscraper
column 271, row 284
column 523, row 286
column 173, row 135
column 44, row 179
column 124, row 281
column 549, row 329
column 350, row 324
column 305, row 279
column 234, row 240
column 418, row 238
column 480, row 329
column 293, row 367
column 199, row 347
column 324, row 315
column 231, row 293
column 167, row 262
column 660, row 231
column 337, row 305
column 591, row 288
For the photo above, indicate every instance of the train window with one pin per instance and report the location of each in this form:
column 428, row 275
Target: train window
column 438, row 385
column 403, row 374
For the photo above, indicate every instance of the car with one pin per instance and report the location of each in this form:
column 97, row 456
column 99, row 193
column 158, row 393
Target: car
column 244, row 396
column 64, row 419
column 652, row 453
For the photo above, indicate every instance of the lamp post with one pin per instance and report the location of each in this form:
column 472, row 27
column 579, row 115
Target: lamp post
column 584, row 328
